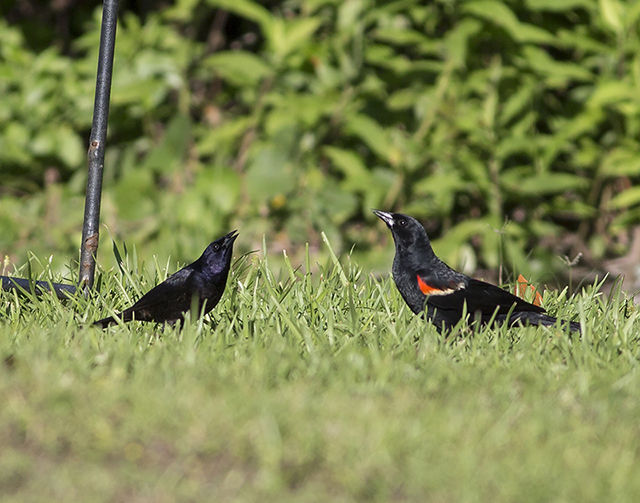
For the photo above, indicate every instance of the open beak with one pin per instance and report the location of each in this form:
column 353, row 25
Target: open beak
column 386, row 217
column 231, row 237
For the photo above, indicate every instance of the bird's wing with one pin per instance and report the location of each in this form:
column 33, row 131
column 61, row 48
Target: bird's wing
column 168, row 300
column 479, row 296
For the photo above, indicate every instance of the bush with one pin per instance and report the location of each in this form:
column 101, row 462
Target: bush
column 509, row 128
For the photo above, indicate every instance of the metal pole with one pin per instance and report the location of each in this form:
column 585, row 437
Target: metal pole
column 89, row 246
column 90, row 226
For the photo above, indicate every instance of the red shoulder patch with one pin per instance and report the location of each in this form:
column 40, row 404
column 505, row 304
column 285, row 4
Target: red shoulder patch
column 427, row 289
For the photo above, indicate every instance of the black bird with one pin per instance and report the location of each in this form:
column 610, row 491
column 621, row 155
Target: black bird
column 426, row 282
column 204, row 279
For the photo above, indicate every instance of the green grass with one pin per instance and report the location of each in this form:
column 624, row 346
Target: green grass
column 314, row 387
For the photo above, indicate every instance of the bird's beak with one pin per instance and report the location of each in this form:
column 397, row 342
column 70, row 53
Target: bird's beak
column 231, row 237
column 386, row 217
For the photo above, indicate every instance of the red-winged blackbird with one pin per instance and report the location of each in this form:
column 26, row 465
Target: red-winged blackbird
column 204, row 279
column 425, row 281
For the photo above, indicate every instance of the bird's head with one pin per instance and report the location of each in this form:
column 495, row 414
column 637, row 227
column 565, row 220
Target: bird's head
column 406, row 230
column 217, row 256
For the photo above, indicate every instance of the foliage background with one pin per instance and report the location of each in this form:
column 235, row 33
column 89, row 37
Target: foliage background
column 510, row 128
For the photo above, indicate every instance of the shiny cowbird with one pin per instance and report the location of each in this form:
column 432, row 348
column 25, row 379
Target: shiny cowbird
column 203, row 282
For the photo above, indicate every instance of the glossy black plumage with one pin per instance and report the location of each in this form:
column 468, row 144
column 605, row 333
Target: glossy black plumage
column 427, row 283
column 204, row 279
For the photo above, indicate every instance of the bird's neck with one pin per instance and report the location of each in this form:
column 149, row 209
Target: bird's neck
column 212, row 269
column 419, row 253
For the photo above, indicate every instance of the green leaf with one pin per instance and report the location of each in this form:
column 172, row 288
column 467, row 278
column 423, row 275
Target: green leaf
column 147, row 92
column 629, row 197
column 220, row 186
column 612, row 12
column 296, row 33
column 543, row 183
column 170, row 153
column 350, row 14
column 238, row 67
column 136, row 185
column 352, row 167
column 448, row 245
column 442, row 189
column 404, row 98
column 456, row 41
column 69, row 148
column 269, row 174
column 499, row 14
column 621, row 162
column 520, row 100
column 557, row 72
column 583, row 42
column 400, row 36
column 44, row 143
column 559, row 5
column 385, row 57
column 14, row 142
column 247, row 9
column 513, row 144
column 607, row 93
column 339, row 204
column 307, row 109
column 224, row 136
column 371, row 133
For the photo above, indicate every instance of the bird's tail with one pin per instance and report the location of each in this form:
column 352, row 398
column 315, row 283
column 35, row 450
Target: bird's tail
column 111, row 320
column 541, row 319
column 105, row 322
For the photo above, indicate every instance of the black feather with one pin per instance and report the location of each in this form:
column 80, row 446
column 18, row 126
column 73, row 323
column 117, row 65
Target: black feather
column 203, row 281
column 417, row 269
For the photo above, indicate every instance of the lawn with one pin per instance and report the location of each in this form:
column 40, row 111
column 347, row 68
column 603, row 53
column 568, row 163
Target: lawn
column 315, row 386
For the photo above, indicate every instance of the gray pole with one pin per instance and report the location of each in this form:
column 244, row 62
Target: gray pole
column 90, row 226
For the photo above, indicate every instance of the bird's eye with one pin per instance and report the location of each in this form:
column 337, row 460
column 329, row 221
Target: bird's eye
column 216, row 247
column 402, row 223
